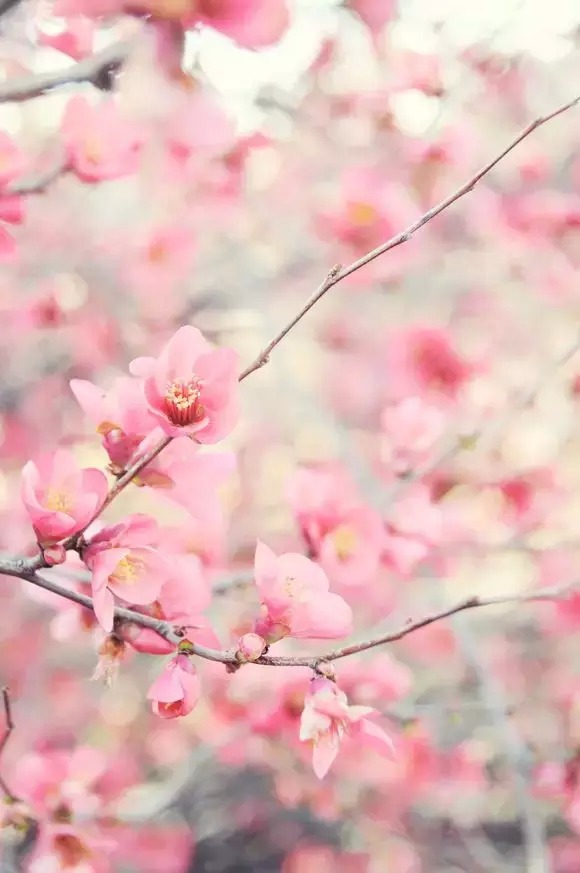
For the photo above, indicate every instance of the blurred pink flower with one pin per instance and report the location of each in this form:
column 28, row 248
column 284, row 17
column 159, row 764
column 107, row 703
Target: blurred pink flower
column 176, row 691
column 100, row 144
column 374, row 13
column 192, row 388
column 75, row 40
column 295, row 599
column 328, row 717
column 423, row 360
column 410, row 429
column 60, row 498
column 252, row 23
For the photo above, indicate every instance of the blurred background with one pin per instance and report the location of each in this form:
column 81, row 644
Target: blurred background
column 280, row 163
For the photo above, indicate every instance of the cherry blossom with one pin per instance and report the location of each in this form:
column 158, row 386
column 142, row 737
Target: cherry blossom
column 328, row 718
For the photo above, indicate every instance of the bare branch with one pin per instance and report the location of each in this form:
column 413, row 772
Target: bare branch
column 9, row 727
column 175, row 634
column 337, row 274
column 36, row 183
column 96, row 70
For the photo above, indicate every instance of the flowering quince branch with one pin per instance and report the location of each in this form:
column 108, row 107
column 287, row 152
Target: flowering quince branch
column 338, row 273
column 95, row 70
column 189, row 395
column 174, row 635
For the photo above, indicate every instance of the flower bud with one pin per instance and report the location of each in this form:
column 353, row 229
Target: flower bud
column 250, row 647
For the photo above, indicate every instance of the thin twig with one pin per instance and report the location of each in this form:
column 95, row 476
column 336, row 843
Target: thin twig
column 96, row 70
column 36, row 183
column 337, row 274
column 7, row 733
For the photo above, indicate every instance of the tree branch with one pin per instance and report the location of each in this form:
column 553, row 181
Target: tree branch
column 175, row 634
column 9, row 722
column 97, row 70
column 337, row 274
column 36, row 183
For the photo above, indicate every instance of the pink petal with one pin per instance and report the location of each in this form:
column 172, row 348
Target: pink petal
column 376, row 738
column 104, row 606
column 167, row 687
column 324, row 753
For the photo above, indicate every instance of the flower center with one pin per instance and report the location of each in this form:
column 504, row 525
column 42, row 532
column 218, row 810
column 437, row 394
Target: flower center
column 345, row 540
column 362, row 214
column 58, row 501
column 183, row 404
column 93, row 150
column 157, row 252
column 128, row 570
column 71, row 851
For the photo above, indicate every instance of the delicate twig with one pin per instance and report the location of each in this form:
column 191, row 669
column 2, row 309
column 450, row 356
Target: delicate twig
column 96, row 70
column 130, row 473
column 9, row 727
column 337, row 274
column 36, row 183
column 515, row 752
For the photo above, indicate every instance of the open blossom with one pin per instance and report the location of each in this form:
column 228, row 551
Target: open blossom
column 60, row 498
column 295, row 599
column 182, row 600
column 176, row 691
column 346, row 536
column 328, row 718
column 100, row 143
column 124, row 563
column 192, row 387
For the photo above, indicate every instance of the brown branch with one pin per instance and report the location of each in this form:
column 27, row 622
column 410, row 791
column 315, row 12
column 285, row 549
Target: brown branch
column 337, row 274
column 175, row 634
column 7, row 733
column 96, row 70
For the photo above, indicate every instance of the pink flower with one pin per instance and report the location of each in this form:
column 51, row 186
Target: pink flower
column 374, row 13
column 11, row 212
column 423, row 360
column 124, row 563
column 351, row 551
column 191, row 478
column 410, row 430
column 252, row 23
column 296, row 600
column 177, row 690
column 371, row 209
column 192, row 388
column 182, row 600
column 161, row 257
column 99, row 142
column 75, row 40
column 346, row 536
column 120, row 415
column 61, row 499
column 328, row 718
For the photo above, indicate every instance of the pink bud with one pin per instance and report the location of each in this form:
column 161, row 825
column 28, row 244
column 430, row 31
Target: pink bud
column 250, row 647
column 54, row 554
